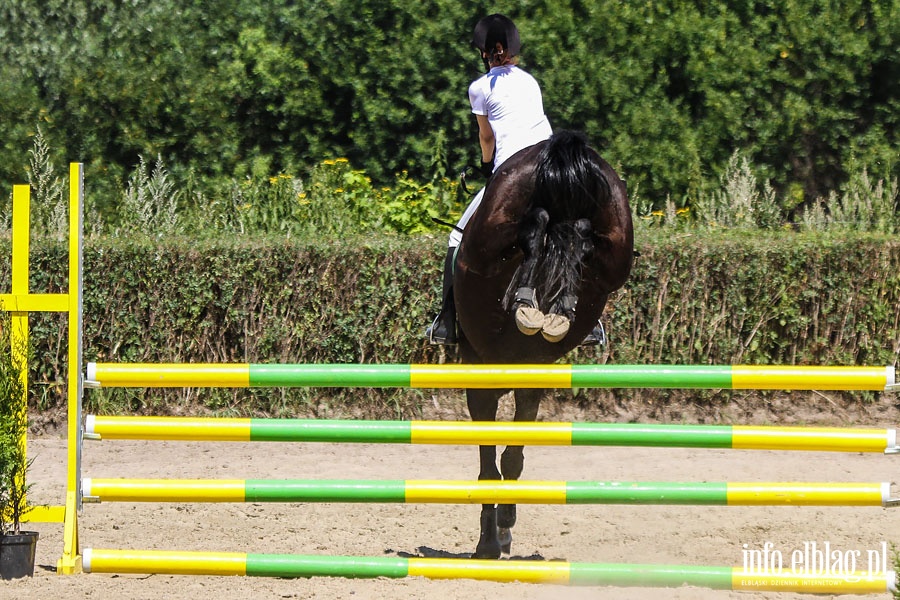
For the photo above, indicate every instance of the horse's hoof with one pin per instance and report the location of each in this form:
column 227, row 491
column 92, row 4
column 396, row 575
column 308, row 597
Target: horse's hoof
column 505, row 537
column 555, row 328
column 529, row 320
column 487, row 551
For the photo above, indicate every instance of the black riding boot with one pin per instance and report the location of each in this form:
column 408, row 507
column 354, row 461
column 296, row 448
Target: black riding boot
column 443, row 329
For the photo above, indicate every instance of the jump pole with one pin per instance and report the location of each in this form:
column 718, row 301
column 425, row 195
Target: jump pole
column 737, row 377
column 835, row 439
column 488, row 492
column 553, row 572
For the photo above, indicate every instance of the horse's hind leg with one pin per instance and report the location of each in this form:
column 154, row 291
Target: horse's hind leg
column 562, row 312
column 529, row 318
column 483, row 407
column 512, row 461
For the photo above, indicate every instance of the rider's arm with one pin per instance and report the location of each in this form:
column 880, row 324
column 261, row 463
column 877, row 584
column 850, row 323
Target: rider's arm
column 485, row 138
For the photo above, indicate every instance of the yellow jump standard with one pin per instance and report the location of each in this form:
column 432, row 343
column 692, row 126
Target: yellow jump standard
column 527, row 571
column 20, row 303
column 738, row 377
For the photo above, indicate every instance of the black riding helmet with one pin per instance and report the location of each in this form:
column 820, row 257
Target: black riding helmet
column 493, row 29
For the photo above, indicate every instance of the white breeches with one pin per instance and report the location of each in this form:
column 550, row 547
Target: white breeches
column 455, row 235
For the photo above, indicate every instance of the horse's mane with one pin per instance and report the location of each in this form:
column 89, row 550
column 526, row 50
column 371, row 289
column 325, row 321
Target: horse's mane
column 571, row 186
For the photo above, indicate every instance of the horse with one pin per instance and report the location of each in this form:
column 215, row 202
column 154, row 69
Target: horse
column 551, row 240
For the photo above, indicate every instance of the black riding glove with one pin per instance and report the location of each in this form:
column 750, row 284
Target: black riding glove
column 487, row 168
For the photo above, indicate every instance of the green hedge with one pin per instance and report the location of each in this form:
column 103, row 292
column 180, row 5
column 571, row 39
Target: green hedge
column 693, row 298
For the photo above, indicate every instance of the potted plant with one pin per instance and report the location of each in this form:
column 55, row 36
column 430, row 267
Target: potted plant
column 17, row 547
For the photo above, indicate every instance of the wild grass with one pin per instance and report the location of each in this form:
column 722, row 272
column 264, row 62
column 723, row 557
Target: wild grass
column 150, row 202
column 742, row 201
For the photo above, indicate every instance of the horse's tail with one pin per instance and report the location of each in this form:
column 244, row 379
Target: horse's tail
column 571, row 186
column 569, row 181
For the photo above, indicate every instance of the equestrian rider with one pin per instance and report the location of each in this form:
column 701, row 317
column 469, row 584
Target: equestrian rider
column 509, row 109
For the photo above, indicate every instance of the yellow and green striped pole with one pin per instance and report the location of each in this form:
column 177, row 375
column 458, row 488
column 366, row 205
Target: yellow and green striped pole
column 836, row 439
column 763, row 377
column 527, row 571
column 487, row 492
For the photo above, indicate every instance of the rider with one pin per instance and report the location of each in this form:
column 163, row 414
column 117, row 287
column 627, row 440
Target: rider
column 509, row 109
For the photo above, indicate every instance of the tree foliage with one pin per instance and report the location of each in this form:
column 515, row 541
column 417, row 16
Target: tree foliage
column 668, row 90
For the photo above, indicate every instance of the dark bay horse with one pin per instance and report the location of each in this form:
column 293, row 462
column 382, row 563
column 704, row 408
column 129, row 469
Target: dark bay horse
column 551, row 240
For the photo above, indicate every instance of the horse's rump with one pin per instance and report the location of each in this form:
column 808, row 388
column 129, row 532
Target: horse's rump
column 555, row 218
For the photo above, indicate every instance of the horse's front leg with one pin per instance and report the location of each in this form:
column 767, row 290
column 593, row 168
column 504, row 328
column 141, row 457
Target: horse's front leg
column 483, row 407
column 512, row 462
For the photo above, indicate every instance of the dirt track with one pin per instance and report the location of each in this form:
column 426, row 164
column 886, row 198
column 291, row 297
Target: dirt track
column 666, row 534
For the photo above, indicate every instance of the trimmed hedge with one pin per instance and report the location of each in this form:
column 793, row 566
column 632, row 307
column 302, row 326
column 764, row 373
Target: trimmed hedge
column 781, row 298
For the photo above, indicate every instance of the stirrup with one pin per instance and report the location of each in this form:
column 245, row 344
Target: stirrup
column 597, row 336
column 448, row 339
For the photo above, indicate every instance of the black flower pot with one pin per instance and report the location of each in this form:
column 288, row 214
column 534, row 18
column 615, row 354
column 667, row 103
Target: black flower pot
column 17, row 554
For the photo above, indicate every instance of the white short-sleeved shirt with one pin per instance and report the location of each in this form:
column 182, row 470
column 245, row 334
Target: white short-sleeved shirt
column 511, row 100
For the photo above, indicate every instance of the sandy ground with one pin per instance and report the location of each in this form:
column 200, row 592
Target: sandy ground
column 663, row 534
